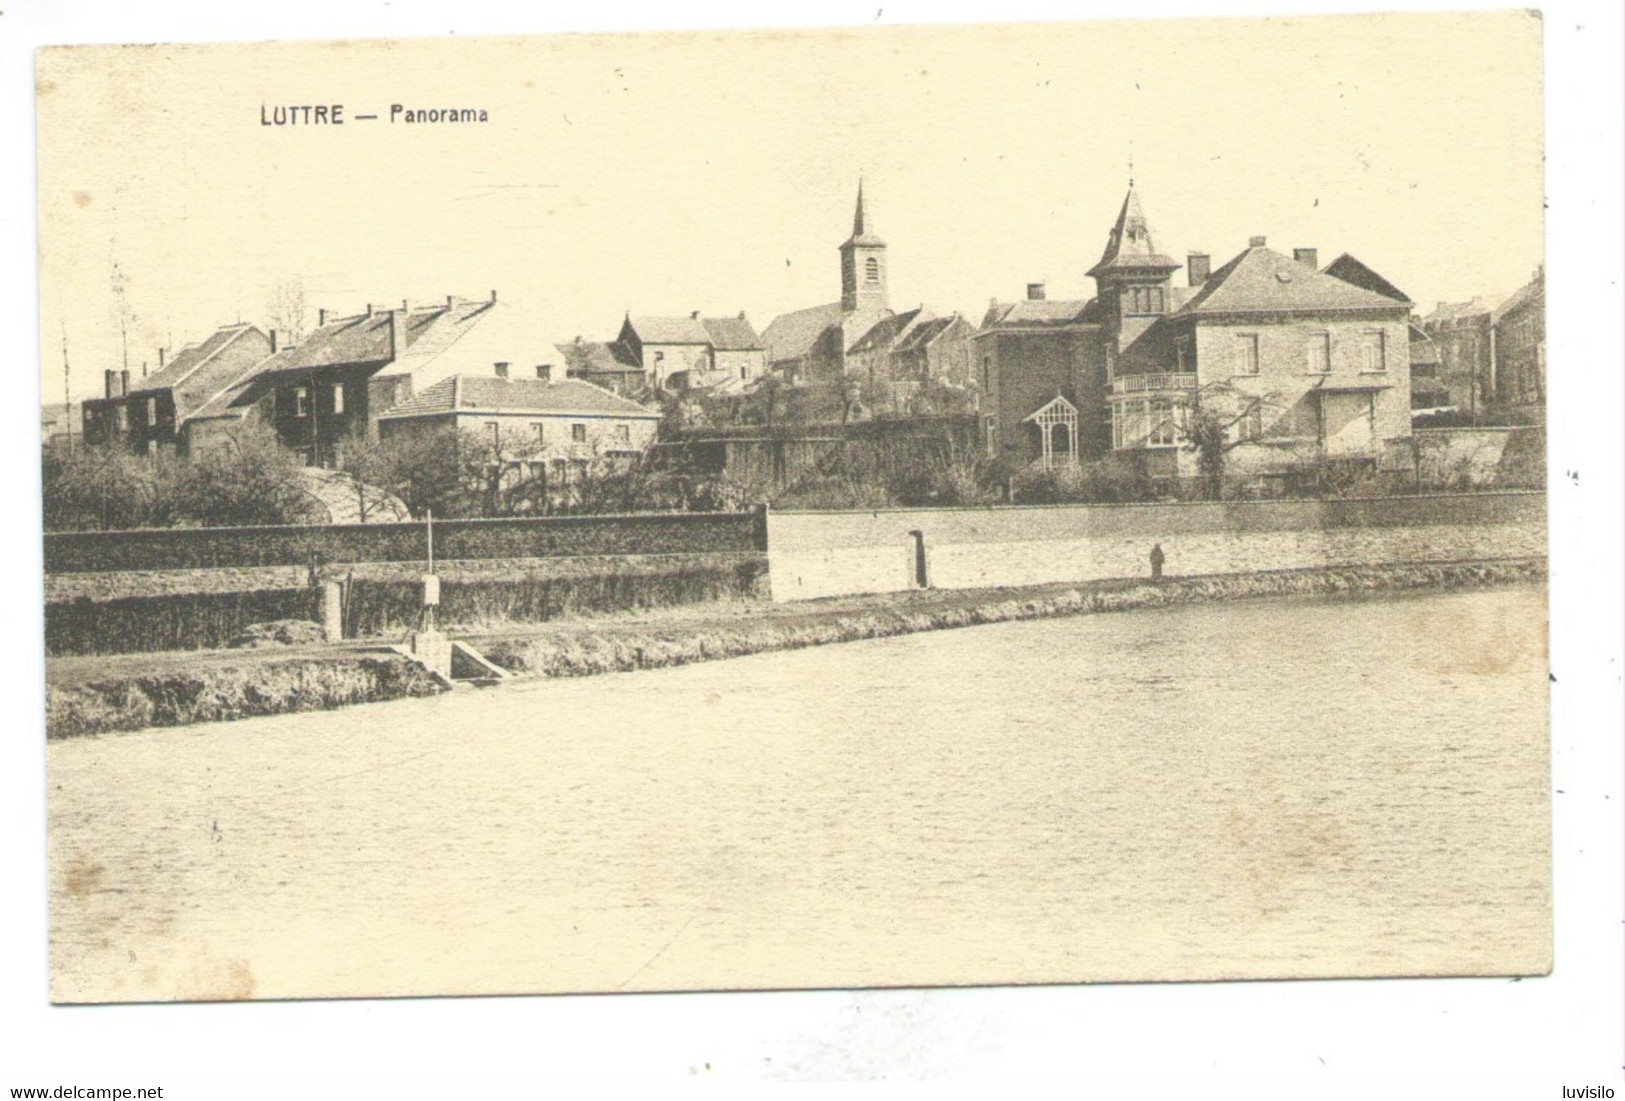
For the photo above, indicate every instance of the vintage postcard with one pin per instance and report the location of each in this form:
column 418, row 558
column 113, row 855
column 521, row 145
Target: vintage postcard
column 935, row 506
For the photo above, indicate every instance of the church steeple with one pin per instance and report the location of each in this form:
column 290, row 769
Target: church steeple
column 863, row 264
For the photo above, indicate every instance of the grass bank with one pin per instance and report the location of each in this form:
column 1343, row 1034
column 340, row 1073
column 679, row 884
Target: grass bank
column 215, row 692
column 677, row 639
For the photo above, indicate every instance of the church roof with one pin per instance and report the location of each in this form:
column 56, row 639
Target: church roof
column 1129, row 246
column 1262, row 280
column 862, row 234
column 792, row 335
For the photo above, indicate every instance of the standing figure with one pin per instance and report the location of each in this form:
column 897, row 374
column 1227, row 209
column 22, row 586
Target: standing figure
column 1157, row 559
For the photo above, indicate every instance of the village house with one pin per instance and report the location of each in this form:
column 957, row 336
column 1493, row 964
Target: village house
column 1494, row 359
column 1298, row 363
column 60, row 427
column 860, row 341
column 604, row 363
column 151, row 414
column 1460, row 331
column 693, row 352
column 542, row 424
column 333, row 386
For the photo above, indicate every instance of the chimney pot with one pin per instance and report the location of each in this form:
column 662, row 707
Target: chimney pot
column 502, row 369
column 1035, row 292
column 1198, row 266
column 110, row 384
column 694, row 315
column 397, row 333
column 1307, row 256
column 451, row 300
column 160, row 358
column 1255, row 242
column 273, row 342
column 369, row 309
column 123, row 383
column 493, row 298
column 321, row 317
column 544, row 371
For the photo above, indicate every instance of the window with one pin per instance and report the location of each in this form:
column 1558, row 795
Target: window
column 149, row 411
column 121, row 417
column 301, row 402
column 1163, row 431
column 990, row 428
column 1250, row 425
column 744, row 372
column 871, row 270
column 338, row 397
column 538, row 432
column 987, row 373
column 578, row 433
column 1145, row 300
column 1373, row 352
column 1319, row 353
column 1247, row 353
column 623, row 433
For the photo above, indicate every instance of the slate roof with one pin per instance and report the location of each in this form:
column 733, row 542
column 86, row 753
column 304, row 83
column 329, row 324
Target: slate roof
column 1520, row 298
column 1424, row 350
column 1129, row 246
column 861, row 233
column 792, row 335
column 925, row 332
column 1350, row 270
column 885, row 332
column 1043, row 312
column 1455, row 311
column 669, row 330
column 1263, row 280
column 200, row 371
column 488, row 394
column 236, row 395
column 731, row 334
column 598, row 357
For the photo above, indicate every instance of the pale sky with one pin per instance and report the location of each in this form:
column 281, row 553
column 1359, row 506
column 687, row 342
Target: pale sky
column 673, row 172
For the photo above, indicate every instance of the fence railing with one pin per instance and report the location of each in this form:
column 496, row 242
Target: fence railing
column 1134, row 384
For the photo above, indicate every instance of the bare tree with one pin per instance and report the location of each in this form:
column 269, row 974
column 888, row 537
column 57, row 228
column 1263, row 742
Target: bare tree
column 287, row 311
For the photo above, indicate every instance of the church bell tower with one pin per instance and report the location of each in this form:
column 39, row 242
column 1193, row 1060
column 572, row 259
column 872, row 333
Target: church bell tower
column 863, row 265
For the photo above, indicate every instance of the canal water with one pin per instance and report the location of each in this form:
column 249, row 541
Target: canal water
column 1255, row 789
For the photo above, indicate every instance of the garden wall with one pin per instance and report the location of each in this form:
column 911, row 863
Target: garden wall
column 835, row 553
column 549, row 537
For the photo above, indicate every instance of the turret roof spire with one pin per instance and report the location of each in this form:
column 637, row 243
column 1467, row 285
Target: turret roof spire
column 1128, row 246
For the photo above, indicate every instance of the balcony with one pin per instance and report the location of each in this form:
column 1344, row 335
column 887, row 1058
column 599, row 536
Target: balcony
column 1136, row 384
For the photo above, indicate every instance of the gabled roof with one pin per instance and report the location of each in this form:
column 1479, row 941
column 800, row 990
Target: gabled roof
column 731, row 334
column 488, row 394
column 921, row 335
column 1455, row 311
column 884, row 333
column 1261, row 280
column 862, row 234
column 1521, row 297
column 1043, row 312
column 1057, row 404
column 200, row 372
column 236, row 395
column 669, row 330
column 189, row 359
column 1350, row 270
column 598, row 357
column 1128, row 245
column 792, row 335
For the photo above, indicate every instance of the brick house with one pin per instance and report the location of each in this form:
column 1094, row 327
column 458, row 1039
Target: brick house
column 152, row 414
column 1299, row 363
column 556, row 426
column 336, row 382
column 681, row 353
column 1493, row 360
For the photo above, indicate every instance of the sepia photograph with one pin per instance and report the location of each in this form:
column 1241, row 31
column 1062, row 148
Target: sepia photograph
column 846, row 508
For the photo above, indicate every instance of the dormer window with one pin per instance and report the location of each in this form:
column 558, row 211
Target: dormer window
column 1144, row 300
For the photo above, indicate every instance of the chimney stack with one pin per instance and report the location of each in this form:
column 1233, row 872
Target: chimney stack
column 321, row 318
column 273, row 342
column 160, row 359
column 1255, row 242
column 1307, row 256
column 502, row 369
column 694, row 315
column 123, row 384
column 544, row 371
column 451, row 300
column 397, row 333
column 1035, row 292
column 1198, row 266
column 493, row 298
column 369, row 309
column 110, row 383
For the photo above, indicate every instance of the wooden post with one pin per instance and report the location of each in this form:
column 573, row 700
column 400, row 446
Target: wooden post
column 332, row 611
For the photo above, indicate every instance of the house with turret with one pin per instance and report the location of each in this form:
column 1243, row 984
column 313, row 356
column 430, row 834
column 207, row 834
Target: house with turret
column 1296, row 364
